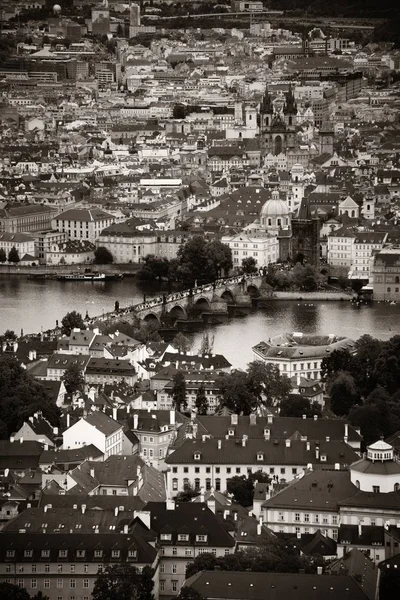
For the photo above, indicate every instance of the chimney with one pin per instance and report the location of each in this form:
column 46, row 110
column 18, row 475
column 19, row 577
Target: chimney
column 55, row 430
column 135, row 421
column 46, row 447
column 259, row 528
column 83, row 508
column 298, row 535
column 308, row 447
column 317, row 452
column 92, row 473
column 21, row 440
column 116, row 511
column 115, row 410
column 328, row 439
column 298, row 379
column 12, row 438
column 337, row 467
column 6, row 472
column 253, row 419
column 68, row 421
column 45, row 507
column 234, row 419
column 319, row 570
column 126, row 529
column 31, row 419
column 270, row 418
column 226, row 514
column 201, row 497
column 172, row 417
column 244, row 441
column 128, row 409
column 304, row 416
column 219, row 444
column 287, row 443
column 359, row 529
column 170, row 504
column 267, row 434
column 346, row 433
column 211, row 505
column 315, row 417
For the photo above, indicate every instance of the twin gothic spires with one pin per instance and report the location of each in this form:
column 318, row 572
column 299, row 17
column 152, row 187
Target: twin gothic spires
column 290, row 107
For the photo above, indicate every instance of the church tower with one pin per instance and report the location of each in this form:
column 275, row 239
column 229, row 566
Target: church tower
column 277, row 124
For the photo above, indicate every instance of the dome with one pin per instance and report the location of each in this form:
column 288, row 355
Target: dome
column 380, row 445
column 275, row 208
column 57, row 8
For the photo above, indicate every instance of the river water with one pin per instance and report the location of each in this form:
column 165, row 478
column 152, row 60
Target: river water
column 31, row 305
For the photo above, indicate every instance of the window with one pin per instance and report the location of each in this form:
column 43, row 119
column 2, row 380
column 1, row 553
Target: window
column 376, row 489
column 174, row 569
column 228, row 470
column 297, row 516
column 334, row 519
column 174, row 551
column 86, row 568
column 188, row 552
column 33, row 584
column 72, row 584
column 47, row 583
column 20, row 583
column 238, row 470
column 45, row 553
column 62, row 554
column 59, row 583
column 115, row 553
column 98, row 553
column 162, row 568
column 86, row 583
column 175, row 484
column 165, row 537
column 306, row 518
column 80, row 553
column 201, row 538
column 10, row 553
column 174, row 585
column 162, row 586
column 283, row 471
column 72, row 568
column 28, row 553
column 33, row 568
column 183, row 537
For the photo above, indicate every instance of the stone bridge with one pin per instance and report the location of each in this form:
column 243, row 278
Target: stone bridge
column 213, row 297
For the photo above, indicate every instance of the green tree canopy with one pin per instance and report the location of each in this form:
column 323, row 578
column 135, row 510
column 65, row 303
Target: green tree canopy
column 72, row 320
column 343, row 394
column 297, row 406
column 242, row 487
column 21, row 396
column 102, row 256
column 123, row 582
column 201, row 400
column 249, row 265
column 73, row 379
column 178, row 392
column 13, row 256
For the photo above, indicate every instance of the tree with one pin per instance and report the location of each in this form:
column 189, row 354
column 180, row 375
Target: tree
column 73, row 379
column 343, row 394
column 297, row 406
column 187, row 494
column 189, row 593
column 178, row 392
column 202, row 261
column 202, row 562
column 3, row 256
column 154, row 268
column 9, row 591
column 242, row 487
column 236, row 394
column 201, row 401
column 267, row 382
column 207, row 343
column 249, row 265
column 102, row 256
column 21, row 396
column 304, row 277
column 182, row 343
column 72, row 320
column 13, row 256
column 123, row 582
column 338, row 360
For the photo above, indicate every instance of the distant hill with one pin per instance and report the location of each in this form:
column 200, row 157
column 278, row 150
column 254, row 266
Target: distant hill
column 378, row 9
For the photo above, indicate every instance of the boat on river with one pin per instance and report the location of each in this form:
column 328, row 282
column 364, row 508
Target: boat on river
column 90, row 276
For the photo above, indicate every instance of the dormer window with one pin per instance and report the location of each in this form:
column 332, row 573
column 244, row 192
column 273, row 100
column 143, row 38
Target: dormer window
column 10, row 553
column 201, row 537
column 98, row 553
column 80, row 553
column 28, row 553
column 115, row 553
column 45, row 553
column 61, row 554
column 165, row 537
column 231, row 432
column 132, row 553
column 260, row 456
column 183, row 537
column 197, row 456
column 323, row 457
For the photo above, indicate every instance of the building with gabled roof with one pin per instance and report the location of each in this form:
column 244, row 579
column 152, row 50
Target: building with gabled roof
column 98, row 429
column 82, row 223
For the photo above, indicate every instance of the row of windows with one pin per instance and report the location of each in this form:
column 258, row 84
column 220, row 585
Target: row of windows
column 59, row 583
column 64, row 553
column 230, row 470
column 58, row 597
column 33, row 568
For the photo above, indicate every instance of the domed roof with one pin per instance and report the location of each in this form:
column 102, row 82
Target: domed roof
column 380, row 445
column 275, row 208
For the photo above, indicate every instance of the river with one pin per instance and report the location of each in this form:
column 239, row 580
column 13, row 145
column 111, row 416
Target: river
column 31, row 305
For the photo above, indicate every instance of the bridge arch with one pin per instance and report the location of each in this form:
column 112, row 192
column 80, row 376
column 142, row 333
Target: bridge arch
column 228, row 296
column 151, row 317
column 253, row 290
column 178, row 312
column 202, row 303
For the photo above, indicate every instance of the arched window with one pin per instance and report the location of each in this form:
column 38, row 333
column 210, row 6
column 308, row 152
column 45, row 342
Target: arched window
column 397, row 290
column 218, row 484
column 353, row 213
column 397, row 280
column 208, row 484
column 186, row 483
column 197, row 483
column 389, row 289
column 175, row 484
column 269, row 222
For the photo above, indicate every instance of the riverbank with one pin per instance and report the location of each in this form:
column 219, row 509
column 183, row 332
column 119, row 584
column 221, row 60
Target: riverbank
column 128, row 269
column 312, row 296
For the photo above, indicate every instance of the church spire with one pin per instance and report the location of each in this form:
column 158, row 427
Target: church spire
column 290, row 107
column 266, row 104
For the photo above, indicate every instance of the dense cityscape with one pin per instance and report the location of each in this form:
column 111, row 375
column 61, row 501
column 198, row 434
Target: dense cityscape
column 185, row 185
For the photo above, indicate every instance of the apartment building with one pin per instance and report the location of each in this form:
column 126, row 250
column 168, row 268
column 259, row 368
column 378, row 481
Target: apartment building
column 340, row 248
column 366, row 244
column 98, row 429
column 82, row 223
